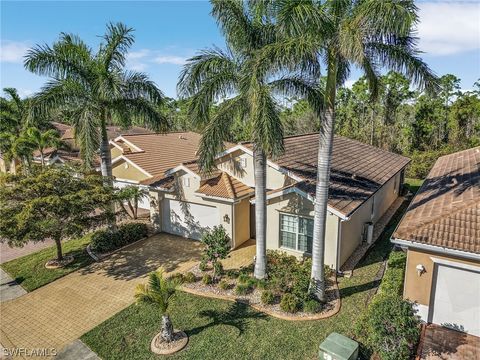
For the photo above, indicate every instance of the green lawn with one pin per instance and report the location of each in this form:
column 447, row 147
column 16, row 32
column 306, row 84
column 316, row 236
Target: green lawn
column 225, row 330
column 30, row 272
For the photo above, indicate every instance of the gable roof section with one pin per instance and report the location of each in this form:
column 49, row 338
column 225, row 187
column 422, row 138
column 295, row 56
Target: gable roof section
column 358, row 170
column 446, row 209
column 225, row 186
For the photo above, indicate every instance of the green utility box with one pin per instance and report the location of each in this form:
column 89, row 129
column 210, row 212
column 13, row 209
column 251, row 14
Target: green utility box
column 338, row 347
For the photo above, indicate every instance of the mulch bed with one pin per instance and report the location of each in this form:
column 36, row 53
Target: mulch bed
column 55, row 263
column 253, row 298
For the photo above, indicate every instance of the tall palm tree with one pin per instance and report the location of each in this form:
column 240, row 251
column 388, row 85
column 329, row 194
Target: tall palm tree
column 39, row 140
column 214, row 75
column 14, row 117
column 95, row 89
column 368, row 34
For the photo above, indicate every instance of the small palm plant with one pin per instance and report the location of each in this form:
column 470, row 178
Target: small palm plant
column 132, row 195
column 159, row 291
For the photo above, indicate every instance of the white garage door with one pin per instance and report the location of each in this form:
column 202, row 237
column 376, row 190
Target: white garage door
column 144, row 203
column 456, row 301
column 188, row 219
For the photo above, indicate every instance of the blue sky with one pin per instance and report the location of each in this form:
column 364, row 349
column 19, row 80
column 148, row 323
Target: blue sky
column 168, row 32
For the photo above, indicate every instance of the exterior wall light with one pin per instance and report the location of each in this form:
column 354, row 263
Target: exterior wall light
column 420, row 269
column 226, row 218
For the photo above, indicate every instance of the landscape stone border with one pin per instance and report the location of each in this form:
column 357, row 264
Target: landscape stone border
column 283, row 316
column 68, row 259
column 167, row 350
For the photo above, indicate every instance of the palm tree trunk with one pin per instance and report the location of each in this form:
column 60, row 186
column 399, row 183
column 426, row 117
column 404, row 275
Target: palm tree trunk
column 167, row 328
column 42, row 158
column 106, row 168
column 325, row 144
column 260, row 173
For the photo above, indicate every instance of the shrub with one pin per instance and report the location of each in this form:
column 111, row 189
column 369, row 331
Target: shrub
column 261, row 284
column 289, row 303
column 190, row 277
column 392, row 282
column 217, row 245
column 131, row 232
column 218, row 268
column 232, row 273
column 312, row 306
column 207, row 279
column 389, row 327
column 105, row 240
column 224, row 285
column 243, row 278
column 242, row 289
column 179, row 278
column 203, row 265
column 268, row 297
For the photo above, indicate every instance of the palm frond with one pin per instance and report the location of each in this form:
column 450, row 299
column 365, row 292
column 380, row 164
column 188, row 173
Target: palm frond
column 118, row 40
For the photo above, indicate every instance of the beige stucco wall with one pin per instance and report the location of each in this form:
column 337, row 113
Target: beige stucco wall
column 298, row 205
column 241, row 220
column 352, row 229
column 183, row 193
column 129, row 173
column 418, row 288
column 115, row 151
column 231, row 164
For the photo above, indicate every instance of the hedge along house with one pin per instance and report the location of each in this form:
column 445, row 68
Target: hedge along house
column 365, row 181
column 441, row 232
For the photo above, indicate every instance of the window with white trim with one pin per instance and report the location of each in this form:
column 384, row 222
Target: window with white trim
column 296, row 232
column 243, row 163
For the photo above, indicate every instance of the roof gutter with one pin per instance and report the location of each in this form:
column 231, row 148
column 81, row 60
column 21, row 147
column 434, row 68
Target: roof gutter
column 436, row 249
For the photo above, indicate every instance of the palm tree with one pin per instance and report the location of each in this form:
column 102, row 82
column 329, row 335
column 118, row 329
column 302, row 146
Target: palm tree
column 132, row 195
column 159, row 291
column 39, row 140
column 95, row 89
column 213, row 75
column 368, row 34
column 14, row 117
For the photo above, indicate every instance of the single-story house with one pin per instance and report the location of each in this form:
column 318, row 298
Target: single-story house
column 441, row 233
column 365, row 181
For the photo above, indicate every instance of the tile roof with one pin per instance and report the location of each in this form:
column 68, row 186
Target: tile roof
column 446, row 210
column 225, row 186
column 358, row 170
column 161, row 152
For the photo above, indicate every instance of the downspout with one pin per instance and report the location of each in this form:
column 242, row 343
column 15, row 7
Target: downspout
column 234, row 235
column 339, row 240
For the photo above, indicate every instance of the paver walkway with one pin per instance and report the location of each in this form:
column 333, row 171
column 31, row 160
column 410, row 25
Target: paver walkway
column 58, row 313
column 8, row 253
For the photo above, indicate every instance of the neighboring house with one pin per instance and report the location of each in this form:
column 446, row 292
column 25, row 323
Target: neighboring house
column 365, row 181
column 441, row 232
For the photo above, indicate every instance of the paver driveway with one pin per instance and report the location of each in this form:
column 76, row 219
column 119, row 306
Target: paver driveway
column 60, row 312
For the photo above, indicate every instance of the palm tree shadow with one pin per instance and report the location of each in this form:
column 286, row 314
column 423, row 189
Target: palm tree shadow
column 238, row 315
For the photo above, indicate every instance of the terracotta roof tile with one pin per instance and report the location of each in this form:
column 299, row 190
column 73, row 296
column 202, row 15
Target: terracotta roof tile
column 446, row 210
column 225, row 186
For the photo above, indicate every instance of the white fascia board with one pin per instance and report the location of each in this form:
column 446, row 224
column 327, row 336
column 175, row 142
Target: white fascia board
column 133, row 182
column 121, row 157
column 214, row 197
column 437, row 249
column 184, row 168
column 128, row 142
column 111, row 142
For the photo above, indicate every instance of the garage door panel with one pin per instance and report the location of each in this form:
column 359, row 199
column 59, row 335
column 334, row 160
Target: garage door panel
column 456, row 300
column 188, row 219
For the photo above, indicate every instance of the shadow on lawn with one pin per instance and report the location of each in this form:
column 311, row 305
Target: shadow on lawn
column 238, row 316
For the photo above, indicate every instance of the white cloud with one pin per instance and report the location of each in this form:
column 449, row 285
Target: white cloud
column 12, row 51
column 170, row 59
column 449, row 27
